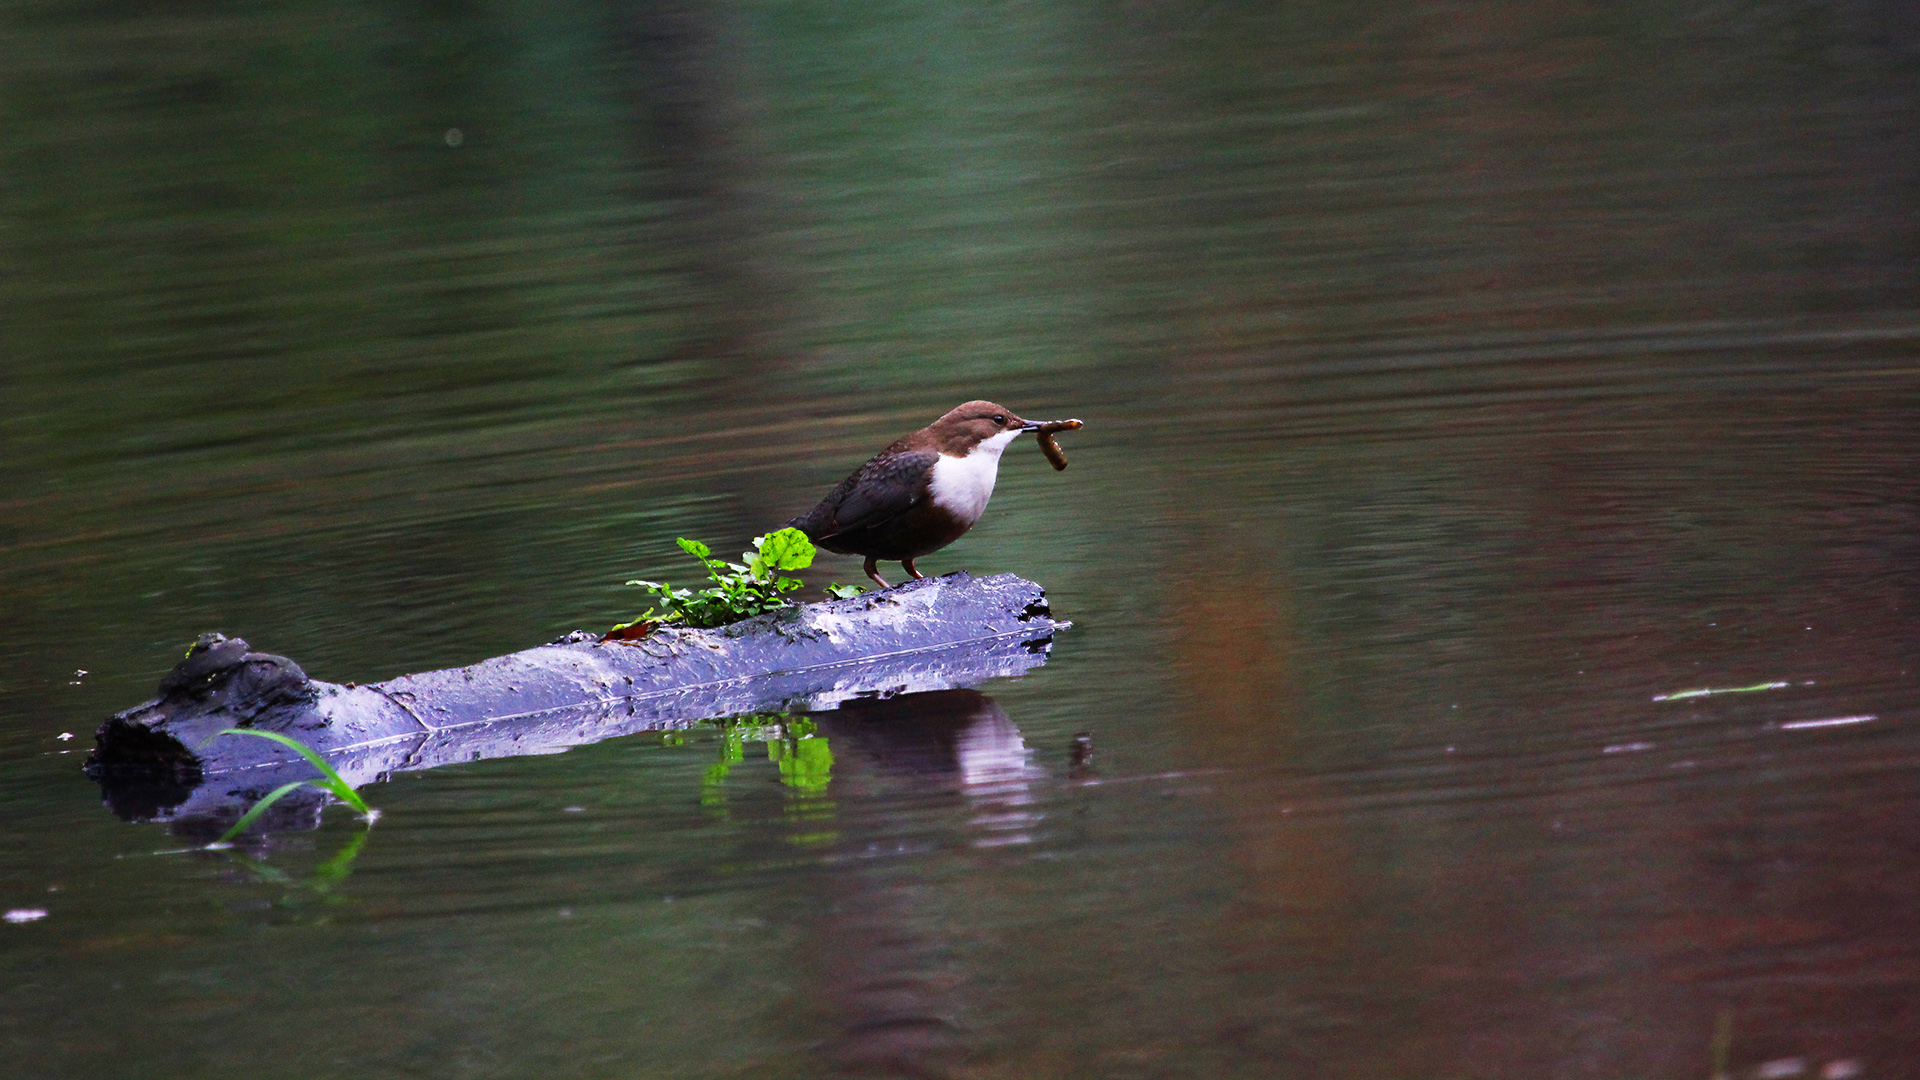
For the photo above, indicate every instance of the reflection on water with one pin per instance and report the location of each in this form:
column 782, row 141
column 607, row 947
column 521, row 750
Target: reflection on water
column 1460, row 379
column 961, row 739
column 899, row 997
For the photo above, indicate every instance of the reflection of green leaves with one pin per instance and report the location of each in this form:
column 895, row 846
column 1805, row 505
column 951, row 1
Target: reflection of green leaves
column 732, row 752
column 320, row 882
column 805, row 762
column 324, row 877
column 335, row 870
column 794, row 745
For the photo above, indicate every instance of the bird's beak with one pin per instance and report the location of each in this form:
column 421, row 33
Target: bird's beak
column 1032, row 425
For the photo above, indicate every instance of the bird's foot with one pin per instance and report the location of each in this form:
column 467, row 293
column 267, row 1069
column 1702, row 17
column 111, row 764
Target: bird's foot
column 908, row 564
column 873, row 571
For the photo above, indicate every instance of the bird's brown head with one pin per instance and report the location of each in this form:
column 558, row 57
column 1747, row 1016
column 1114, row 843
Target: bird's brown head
column 969, row 425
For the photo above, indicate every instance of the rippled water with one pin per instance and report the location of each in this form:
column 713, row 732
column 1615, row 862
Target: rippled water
column 1466, row 386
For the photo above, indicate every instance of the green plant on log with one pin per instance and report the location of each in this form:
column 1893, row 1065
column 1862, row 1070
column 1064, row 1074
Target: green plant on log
column 330, row 781
column 740, row 590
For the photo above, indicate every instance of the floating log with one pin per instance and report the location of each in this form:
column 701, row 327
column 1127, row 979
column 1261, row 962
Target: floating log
column 164, row 759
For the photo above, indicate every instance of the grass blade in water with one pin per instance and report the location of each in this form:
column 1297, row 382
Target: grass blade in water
column 333, row 782
column 253, row 813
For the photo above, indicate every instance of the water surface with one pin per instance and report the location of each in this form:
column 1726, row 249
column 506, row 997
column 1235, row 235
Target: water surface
column 1465, row 385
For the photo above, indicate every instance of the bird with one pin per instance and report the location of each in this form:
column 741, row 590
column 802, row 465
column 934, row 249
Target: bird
column 921, row 493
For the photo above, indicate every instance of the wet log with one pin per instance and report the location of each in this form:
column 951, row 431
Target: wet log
column 164, row 759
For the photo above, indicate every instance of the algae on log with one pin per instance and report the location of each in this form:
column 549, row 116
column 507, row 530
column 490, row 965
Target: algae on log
column 161, row 759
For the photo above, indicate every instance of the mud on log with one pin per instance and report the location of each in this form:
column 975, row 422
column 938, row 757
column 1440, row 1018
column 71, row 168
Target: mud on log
column 161, row 760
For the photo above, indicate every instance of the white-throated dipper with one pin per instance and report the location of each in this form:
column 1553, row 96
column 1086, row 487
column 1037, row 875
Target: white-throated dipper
column 920, row 494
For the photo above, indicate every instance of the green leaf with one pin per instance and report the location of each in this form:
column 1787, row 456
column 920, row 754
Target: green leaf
column 844, row 592
column 333, row 781
column 694, row 548
column 253, row 813
column 786, row 549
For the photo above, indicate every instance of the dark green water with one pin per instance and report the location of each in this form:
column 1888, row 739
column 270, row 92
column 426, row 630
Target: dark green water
column 1458, row 379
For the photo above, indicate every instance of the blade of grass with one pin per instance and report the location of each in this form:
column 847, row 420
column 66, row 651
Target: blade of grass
column 333, row 782
column 257, row 809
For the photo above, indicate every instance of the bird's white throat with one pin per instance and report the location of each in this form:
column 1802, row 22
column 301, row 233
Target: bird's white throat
column 962, row 485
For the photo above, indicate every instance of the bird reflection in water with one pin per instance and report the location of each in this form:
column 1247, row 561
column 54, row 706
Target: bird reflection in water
column 895, row 979
column 958, row 740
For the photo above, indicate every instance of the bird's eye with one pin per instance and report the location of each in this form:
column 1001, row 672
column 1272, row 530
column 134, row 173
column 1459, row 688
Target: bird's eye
column 1001, row 420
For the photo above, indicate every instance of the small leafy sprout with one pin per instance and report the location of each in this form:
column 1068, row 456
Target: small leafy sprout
column 740, row 590
column 331, row 782
column 844, row 592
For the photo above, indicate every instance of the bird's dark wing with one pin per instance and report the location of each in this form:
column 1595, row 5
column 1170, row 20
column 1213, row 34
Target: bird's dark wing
column 879, row 491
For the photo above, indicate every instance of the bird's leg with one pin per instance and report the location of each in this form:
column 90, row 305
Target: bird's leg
column 908, row 563
column 873, row 571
